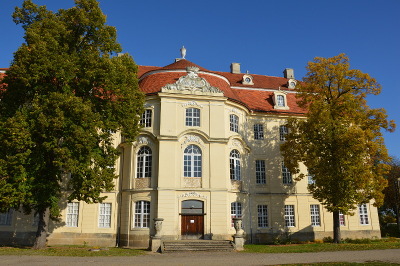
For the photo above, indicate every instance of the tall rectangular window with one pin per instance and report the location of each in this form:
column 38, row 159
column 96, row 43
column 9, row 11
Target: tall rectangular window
column 6, row 217
column 286, row 175
column 262, row 216
column 363, row 212
column 142, row 214
column 310, row 179
column 234, row 123
column 260, row 172
column 72, row 214
column 282, row 133
column 193, row 117
column 289, row 216
column 315, row 218
column 105, row 215
column 342, row 219
column 236, row 211
column 258, row 131
column 145, row 120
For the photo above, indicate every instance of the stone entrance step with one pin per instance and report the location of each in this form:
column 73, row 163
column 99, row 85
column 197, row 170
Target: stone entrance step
column 196, row 245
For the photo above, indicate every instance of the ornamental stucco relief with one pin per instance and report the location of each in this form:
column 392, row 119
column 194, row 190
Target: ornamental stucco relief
column 192, row 194
column 192, row 83
column 192, row 103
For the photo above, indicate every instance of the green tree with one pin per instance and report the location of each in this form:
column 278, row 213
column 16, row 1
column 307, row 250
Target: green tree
column 67, row 91
column 340, row 140
column 392, row 191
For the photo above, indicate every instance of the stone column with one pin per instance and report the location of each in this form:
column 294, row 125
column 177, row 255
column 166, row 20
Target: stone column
column 238, row 237
column 156, row 239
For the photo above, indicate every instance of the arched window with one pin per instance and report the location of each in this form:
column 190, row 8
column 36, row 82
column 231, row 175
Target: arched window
column 192, row 161
column 144, row 158
column 234, row 162
column 142, row 214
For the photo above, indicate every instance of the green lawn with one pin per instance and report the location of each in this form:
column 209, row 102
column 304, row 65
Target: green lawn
column 73, row 251
column 320, row 247
column 373, row 263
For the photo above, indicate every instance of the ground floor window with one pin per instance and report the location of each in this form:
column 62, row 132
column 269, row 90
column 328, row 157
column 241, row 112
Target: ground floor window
column 342, row 219
column 262, row 216
column 315, row 218
column 142, row 214
column 236, row 211
column 72, row 214
column 6, row 217
column 105, row 215
column 289, row 216
column 363, row 212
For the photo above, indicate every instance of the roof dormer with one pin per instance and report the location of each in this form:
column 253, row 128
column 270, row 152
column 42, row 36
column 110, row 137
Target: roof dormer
column 247, row 79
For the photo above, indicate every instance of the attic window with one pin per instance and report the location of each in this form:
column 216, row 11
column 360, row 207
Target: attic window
column 291, row 83
column 247, row 80
column 280, row 101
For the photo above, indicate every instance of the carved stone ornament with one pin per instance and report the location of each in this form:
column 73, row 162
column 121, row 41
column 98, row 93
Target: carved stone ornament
column 192, row 194
column 234, row 110
column 192, row 83
column 143, row 140
column 192, row 103
column 191, row 138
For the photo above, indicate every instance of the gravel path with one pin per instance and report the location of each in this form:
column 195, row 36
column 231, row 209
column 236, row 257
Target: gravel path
column 210, row 258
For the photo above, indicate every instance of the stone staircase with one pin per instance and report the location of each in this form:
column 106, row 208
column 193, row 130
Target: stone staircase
column 196, row 245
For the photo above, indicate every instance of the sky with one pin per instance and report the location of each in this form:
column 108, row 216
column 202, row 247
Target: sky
column 264, row 36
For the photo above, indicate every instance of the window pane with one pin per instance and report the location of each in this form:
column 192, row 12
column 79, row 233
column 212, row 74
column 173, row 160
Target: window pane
column 286, row 175
column 234, row 123
column 258, row 131
column 145, row 120
column 262, row 216
column 192, row 161
column 234, row 165
column 315, row 219
column 144, row 161
column 105, row 215
column 72, row 214
column 289, row 215
column 142, row 214
column 260, row 172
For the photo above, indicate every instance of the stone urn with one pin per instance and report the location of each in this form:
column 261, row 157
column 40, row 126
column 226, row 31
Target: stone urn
column 237, row 222
column 158, row 227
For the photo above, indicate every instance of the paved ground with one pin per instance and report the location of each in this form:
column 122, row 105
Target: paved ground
column 213, row 258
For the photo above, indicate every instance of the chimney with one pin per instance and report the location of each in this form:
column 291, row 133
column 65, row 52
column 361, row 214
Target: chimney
column 288, row 73
column 235, row 68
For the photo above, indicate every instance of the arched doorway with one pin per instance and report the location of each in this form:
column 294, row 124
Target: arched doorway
column 192, row 221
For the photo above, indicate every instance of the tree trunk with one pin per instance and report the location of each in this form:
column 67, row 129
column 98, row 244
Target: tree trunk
column 336, row 227
column 41, row 233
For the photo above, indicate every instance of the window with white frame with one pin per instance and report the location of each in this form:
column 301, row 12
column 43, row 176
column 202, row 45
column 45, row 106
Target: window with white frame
column 192, row 117
column 262, row 216
column 289, row 216
column 280, row 100
column 236, row 211
column 145, row 120
column 72, row 214
column 282, row 133
column 105, row 215
column 192, row 161
column 342, row 219
column 315, row 217
column 363, row 212
column 234, row 165
column 234, row 123
column 258, row 131
column 260, row 172
column 142, row 214
column 144, row 162
column 310, row 179
column 6, row 217
column 286, row 175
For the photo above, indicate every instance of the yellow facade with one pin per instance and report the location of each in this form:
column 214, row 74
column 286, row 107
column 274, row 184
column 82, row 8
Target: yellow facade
column 166, row 189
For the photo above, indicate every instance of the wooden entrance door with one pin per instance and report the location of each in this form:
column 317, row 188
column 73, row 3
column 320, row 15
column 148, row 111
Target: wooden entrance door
column 192, row 227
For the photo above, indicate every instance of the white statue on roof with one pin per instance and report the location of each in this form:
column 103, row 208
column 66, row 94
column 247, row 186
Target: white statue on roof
column 183, row 52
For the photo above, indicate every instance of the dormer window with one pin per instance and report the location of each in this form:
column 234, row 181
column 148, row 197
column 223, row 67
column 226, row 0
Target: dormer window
column 247, row 80
column 292, row 83
column 280, row 100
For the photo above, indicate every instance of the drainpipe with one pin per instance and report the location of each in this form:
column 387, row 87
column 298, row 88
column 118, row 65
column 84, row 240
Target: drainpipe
column 121, row 178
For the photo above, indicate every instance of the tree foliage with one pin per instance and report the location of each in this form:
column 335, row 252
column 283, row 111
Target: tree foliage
column 340, row 141
column 392, row 191
column 66, row 92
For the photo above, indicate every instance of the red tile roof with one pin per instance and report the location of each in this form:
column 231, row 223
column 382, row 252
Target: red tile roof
column 257, row 97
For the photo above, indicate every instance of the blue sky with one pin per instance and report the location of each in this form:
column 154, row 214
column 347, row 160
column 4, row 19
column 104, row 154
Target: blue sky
column 265, row 36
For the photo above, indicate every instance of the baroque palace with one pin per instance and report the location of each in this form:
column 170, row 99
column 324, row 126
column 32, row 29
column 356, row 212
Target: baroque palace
column 208, row 152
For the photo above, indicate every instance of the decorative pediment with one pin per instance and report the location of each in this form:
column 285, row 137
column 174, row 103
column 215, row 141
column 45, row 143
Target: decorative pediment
column 191, row 83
